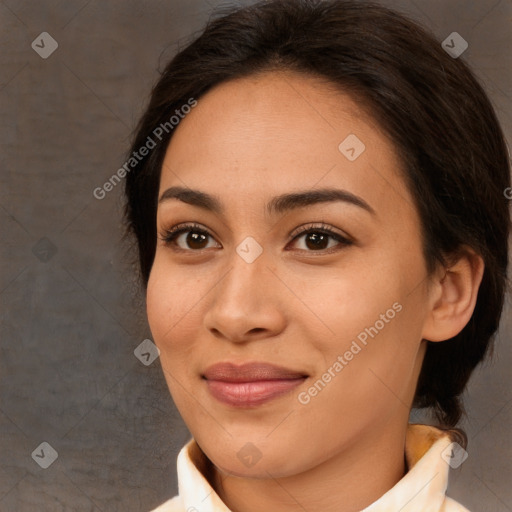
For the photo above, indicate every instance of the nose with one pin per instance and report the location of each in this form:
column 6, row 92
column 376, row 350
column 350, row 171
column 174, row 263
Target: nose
column 247, row 303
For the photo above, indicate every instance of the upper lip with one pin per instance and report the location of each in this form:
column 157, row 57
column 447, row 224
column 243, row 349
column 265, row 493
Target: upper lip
column 250, row 372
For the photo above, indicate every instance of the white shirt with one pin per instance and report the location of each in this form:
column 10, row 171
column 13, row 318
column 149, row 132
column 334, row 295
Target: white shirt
column 422, row 489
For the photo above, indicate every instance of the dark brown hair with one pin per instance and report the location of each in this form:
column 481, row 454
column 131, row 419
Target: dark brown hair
column 431, row 106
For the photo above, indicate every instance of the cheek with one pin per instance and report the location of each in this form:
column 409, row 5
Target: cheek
column 157, row 302
column 165, row 304
column 169, row 315
column 173, row 302
column 354, row 300
column 374, row 376
column 374, row 318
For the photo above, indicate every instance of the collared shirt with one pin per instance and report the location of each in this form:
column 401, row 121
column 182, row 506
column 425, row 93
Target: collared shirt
column 422, row 489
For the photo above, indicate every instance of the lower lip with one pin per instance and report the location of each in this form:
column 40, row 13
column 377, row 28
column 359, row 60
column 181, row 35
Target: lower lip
column 249, row 394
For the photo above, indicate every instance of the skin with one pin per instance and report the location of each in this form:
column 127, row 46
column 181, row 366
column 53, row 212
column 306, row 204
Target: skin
column 296, row 305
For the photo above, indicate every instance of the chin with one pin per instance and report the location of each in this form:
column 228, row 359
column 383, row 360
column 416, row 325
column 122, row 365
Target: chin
column 251, row 462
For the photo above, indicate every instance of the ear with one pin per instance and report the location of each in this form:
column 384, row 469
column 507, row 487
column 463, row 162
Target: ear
column 453, row 295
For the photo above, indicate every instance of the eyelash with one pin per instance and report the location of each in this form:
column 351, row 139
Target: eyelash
column 171, row 234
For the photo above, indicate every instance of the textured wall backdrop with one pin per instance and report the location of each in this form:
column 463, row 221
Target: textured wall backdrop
column 70, row 315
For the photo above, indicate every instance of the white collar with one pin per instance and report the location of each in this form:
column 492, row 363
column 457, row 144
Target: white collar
column 422, row 488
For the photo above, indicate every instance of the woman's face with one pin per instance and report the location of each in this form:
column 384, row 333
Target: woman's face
column 342, row 313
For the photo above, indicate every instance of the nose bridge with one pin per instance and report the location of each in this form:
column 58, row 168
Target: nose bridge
column 242, row 301
column 247, row 272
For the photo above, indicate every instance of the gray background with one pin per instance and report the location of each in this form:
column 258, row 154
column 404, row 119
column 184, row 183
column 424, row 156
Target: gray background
column 70, row 313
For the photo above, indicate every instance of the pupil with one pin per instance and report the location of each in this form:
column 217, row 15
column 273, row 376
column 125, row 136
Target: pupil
column 318, row 240
column 194, row 238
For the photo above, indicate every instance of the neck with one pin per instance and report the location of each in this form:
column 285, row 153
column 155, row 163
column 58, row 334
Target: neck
column 349, row 481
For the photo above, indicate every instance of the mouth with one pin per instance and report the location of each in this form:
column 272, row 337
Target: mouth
column 250, row 384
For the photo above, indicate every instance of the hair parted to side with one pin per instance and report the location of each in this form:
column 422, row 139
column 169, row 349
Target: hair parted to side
column 431, row 106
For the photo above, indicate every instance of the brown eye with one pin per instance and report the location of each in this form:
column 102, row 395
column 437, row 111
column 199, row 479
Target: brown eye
column 196, row 238
column 316, row 239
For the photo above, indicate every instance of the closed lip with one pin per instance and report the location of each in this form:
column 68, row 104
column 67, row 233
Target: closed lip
column 250, row 372
column 251, row 384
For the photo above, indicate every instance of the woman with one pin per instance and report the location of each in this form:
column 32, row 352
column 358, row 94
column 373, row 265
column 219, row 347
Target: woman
column 316, row 191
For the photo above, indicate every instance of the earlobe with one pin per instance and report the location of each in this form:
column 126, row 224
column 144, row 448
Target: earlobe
column 454, row 297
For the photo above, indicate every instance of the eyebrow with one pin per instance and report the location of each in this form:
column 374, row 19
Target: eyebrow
column 276, row 205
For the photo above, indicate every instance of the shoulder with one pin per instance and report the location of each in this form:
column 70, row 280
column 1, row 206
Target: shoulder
column 173, row 505
column 450, row 505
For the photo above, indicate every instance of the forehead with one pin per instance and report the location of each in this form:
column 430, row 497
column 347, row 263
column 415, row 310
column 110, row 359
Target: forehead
column 295, row 105
column 278, row 131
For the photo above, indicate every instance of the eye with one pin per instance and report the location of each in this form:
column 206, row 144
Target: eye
column 317, row 239
column 196, row 237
